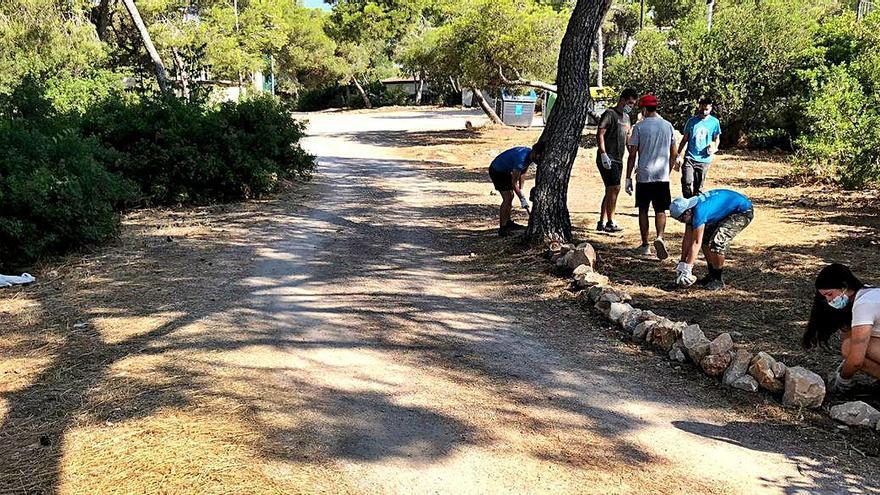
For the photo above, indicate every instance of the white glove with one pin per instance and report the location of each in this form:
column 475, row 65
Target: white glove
column 524, row 203
column 606, row 161
column 680, row 160
column 685, row 280
column 629, row 186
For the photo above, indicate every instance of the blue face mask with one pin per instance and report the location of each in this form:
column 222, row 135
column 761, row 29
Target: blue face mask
column 839, row 302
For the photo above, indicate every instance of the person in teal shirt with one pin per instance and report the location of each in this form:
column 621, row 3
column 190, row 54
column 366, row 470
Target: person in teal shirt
column 712, row 220
column 701, row 136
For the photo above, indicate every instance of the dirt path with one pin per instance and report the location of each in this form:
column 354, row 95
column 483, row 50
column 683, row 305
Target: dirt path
column 346, row 340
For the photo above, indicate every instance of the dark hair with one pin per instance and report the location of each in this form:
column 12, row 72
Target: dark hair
column 536, row 153
column 629, row 93
column 650, row 109
column 706, row 101
column 825, row 320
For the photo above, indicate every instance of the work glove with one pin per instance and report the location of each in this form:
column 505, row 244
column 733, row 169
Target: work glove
column 524, row 203
column 683, row 268
column 606, row 161
column 629, row 186
column 839, row 384
column 685, row 280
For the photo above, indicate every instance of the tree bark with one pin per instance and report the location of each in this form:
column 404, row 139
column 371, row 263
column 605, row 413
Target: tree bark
column 161, row 73
column 600, row 57
column 182, row 74
column 363, row 93
column 561, row 137
column 489, row 111
column 420, row 87
column 102, row 19
column 519, row 81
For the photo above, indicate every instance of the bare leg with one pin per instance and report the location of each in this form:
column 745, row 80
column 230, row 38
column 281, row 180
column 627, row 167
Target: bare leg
column 660, row 223
column 603, row 212
column 611, row 194
column 872, row 358
column 643, row 224
column 506, row 206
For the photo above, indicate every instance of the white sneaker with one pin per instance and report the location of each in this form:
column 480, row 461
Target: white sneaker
column 660, row 247
column 645, row 250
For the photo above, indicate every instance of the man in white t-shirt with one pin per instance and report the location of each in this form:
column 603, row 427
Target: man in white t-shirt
column 652, row 153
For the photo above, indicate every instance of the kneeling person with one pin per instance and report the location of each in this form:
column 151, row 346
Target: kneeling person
column 712, row 220
column 507, row 172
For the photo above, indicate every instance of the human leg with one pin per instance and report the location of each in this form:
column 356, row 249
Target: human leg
column 687, row 179
column 506, row 206
column 699, row 179
column 643, row 225
column 612, row 193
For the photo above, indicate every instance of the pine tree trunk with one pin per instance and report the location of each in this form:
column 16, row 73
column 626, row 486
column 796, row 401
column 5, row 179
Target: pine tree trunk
column 361, row 92
column 420, row 87
column 103, row 19
column 561, row 137
column 600, row 57
column 161, row 73
column 489, row 111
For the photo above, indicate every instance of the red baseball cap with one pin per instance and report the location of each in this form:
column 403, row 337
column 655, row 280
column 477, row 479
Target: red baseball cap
column 648, row 101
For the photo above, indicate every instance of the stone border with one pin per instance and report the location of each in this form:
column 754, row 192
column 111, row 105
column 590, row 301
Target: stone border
column 718, row 358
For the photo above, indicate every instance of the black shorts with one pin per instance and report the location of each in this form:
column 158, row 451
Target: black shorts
column 610, row 177
column 503, row 181
column 656, row 193
column 718, row 235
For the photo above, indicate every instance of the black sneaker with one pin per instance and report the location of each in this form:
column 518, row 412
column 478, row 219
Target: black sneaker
column 715, row 284
column 612, row 227
column 515, row 226
column 705, row 280
column 600, row 227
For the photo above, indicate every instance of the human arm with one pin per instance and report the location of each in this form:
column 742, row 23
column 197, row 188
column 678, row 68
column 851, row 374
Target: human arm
column 600, row 139
column 630, row 166
column 681, row 147
column 860, row 337
column 518, row 179
column 673, row 156
column 690, row 243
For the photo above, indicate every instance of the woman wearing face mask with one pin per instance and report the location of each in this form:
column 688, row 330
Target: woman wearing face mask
column 843, row 303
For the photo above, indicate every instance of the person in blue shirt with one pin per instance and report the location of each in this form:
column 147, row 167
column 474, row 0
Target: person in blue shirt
column 701, row 136
column 711, row 220
column 507, row 172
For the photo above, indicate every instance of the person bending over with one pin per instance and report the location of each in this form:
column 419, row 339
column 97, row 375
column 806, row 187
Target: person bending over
column 507, row 172
column 711, row 220
column 842, row 303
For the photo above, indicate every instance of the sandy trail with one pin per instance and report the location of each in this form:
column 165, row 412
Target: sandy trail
column 406, row 374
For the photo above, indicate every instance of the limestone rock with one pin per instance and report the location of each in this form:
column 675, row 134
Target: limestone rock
column 595, row 291
column 677, row 353
column 609, row 294
column 803, row 388
column 583, row 254
column 739, row 367
column 745, row 382
column 616, row 311
column 856, row 413
column 722, row 344
column 590, row 279
column 715, row 364
column 695, row 342
column 582, row 270
column 762, row 369
column 665, row 333
column 641, row 330
column 634, row 317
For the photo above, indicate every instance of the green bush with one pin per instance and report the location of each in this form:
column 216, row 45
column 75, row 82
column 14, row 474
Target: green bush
column 55, row 194
column 179, row 152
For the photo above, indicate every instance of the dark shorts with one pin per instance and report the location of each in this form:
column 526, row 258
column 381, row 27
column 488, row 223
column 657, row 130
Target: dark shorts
column 503, row 181
column 720, row 234
column 611, row 177
column 693, row 176
column 653, row 193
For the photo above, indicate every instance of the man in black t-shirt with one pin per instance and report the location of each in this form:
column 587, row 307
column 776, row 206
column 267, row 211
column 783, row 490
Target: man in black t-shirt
column 612, row 135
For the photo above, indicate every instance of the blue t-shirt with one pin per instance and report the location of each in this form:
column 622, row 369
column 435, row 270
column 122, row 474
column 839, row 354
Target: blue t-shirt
column 718, row 204
column 701, row 132
column 512, row 159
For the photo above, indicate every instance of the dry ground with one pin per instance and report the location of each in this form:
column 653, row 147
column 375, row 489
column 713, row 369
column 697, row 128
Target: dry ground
column 798, row 228
column 144, row 367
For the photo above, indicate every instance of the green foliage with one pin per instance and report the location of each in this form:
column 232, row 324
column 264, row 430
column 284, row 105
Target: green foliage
column 841, row 118
column 55, row 194
column 178, row 152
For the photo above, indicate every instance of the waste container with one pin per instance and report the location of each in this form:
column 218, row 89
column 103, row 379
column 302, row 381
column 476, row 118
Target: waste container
column 517, row 111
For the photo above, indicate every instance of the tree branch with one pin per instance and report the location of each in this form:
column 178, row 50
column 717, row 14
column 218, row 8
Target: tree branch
column 519, row 81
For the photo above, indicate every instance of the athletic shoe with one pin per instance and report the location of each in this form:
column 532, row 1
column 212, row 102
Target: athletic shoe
column 645, row 250
column 612, row 227
column 515, row 226
column 660, row 247
column 705, row 280
column 715, row 284
column 600, row 227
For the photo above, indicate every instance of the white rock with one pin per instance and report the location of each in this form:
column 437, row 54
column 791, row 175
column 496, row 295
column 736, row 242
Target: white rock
column 677, row 353
column 641, row 330
column 739, row 367
column 590, row 279
column 695, row 342
column 582, row 270
column 583, row 254
column 722, row 344
column 762, row 369
column 803, row 388
column 745, row 382
column 856, row 413
column 612, row 295
column 616, row 311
